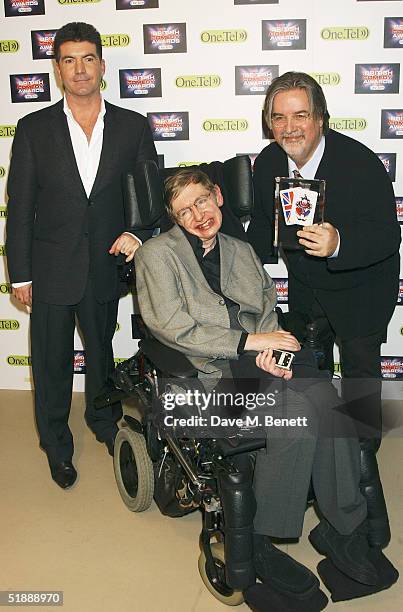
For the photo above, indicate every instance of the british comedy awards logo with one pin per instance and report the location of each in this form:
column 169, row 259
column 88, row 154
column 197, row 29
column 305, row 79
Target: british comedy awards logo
column 377, row 78
column 392, row 368
column 169, row 126
column 30, row 87
column 399, row 209
column 393, row 33
column 389, row 161
column 21, row 8
column 392, row 123
column 140, row 83
column 283, row 35
column 282, row 290
column 164, row 38
column 254, row 80
column 122, row 5
column 42, row 43
column 400, row 296
column 79, row 362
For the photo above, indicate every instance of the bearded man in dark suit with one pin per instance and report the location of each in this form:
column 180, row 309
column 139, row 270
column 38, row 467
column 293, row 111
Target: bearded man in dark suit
column 65, row 224
column 347, row 273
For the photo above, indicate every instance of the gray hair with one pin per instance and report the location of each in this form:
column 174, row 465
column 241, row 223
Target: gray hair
column 298, row 80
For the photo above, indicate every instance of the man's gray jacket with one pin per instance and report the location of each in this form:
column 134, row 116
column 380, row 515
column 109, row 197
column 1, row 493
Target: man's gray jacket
column 182, row 311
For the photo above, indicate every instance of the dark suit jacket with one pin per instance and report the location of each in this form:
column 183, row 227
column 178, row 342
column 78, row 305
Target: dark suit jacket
column 357, row 289
column 56, row 236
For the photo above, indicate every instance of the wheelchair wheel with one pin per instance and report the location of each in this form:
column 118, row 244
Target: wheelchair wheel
column 133, row 470
column 220, row 590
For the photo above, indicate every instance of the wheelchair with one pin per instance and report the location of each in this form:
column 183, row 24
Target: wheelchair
column 184, row 474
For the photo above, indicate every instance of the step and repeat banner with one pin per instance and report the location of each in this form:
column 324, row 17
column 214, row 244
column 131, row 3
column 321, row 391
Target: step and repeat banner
column 198, row 70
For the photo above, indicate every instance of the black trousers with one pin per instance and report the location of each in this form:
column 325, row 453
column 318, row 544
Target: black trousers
column 361, row 370
column 326, row 453
column 52, row 349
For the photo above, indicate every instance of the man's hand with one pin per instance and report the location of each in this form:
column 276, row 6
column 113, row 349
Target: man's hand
column 280, row 339
column 319, row 240
column 126, row 244
column 265, row 361
column 23, row 294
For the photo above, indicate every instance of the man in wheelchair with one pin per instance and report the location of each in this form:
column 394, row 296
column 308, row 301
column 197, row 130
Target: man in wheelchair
column 206, row 294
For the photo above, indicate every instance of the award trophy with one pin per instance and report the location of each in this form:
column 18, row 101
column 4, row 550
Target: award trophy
column 298, row 202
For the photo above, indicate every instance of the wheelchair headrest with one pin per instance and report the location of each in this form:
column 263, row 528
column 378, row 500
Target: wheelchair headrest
column 144, row 194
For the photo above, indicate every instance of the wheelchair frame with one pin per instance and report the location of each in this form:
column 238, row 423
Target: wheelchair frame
column 209, row 468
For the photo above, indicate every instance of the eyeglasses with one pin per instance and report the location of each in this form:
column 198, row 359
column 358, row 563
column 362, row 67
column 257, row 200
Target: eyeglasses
column 297, row 119
column 202, row 203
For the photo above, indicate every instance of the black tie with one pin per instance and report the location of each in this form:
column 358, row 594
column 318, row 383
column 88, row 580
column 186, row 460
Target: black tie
column 297, row 174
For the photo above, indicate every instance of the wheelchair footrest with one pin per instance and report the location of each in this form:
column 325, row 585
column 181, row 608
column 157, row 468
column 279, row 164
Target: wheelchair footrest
column 239, row 507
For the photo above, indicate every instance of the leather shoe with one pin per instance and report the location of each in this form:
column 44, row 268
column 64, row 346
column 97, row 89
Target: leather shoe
column 64, row 474
column 349, row 553
column 110, row 445
column 277, row 569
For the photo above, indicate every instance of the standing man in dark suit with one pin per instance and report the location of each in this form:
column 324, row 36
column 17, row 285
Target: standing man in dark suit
column 65, row 224
column 346, row 277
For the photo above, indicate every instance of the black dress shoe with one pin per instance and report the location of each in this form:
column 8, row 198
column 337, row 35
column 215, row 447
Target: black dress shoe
column 277, row 569
column 348, row 553
column 64, row 474
column 110, row 445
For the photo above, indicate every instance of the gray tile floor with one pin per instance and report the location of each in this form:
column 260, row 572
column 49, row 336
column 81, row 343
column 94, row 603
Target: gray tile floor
column 86, row 543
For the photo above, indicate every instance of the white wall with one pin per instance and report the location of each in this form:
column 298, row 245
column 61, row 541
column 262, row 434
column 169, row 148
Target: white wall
column 339, row 35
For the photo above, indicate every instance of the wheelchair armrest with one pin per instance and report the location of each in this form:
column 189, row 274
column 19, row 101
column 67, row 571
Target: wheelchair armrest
column 168, row 360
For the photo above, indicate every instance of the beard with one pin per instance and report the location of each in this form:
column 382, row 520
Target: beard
column 295, row 150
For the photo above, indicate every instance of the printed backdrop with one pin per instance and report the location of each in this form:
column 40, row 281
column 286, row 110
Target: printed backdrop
column 199, row 70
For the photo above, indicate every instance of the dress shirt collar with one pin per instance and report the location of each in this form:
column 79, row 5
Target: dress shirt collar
column 309, row 170
column 69, row 114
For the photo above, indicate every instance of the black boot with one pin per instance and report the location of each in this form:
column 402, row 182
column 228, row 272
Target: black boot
column 277, row 569
column 349, row 553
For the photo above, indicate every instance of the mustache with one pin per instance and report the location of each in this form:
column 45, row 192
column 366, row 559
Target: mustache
column 293, row 134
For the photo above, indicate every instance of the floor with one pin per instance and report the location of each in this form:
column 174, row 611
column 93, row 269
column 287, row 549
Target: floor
column 86, row 543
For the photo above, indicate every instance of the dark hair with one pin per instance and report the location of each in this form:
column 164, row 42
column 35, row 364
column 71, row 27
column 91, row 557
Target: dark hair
column 298, row 80
column 77, row 32
column 175, row 183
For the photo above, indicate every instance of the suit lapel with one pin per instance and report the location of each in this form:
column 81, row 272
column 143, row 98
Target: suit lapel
column 64, row 145
column 109, row 152
column 227, row 254
column 235, row 280
column 325, row 164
